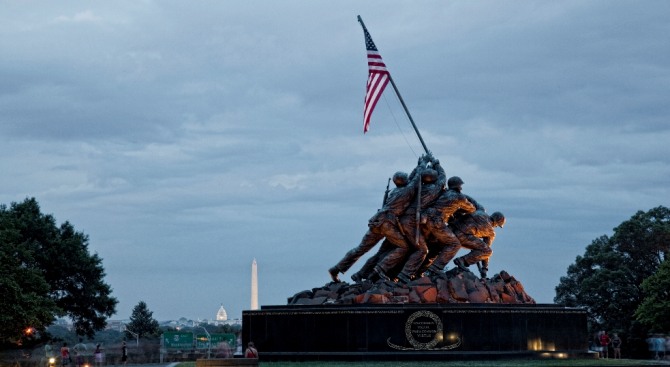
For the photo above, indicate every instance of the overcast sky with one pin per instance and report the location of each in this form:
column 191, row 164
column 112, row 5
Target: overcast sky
column 188, row 138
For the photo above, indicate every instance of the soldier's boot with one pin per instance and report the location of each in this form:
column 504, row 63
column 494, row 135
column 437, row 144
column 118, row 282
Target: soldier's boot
column 483, row 272
column 403, row 278
column 434, row 271
column 380, row 275
column 460, row 262
column 357, row 277
column 334, row 271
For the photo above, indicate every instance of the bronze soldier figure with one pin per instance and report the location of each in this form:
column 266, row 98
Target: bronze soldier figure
column 476, row 232
column 433, row 182
column 443, row 243
column 385, row 222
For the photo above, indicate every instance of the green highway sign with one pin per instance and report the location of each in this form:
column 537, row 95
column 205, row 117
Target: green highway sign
column 220, row 338
column 201, row 341
column 178, row 339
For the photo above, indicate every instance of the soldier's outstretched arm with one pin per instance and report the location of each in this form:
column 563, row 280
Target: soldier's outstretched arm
column 416, row 171
column 466, row 206
column 475, row 203
column 441, row 175
column 415, row 176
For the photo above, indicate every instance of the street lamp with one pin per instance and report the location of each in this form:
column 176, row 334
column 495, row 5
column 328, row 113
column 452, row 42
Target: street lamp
column 209, row 342
column 137, row 337
column 30, row 333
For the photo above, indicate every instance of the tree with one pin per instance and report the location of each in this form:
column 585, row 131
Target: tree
column 25, row 301
column 142, row 322
column 228, row 329
column 654, row 312
column 607, row 279
column 52, row 267
column 593, row 280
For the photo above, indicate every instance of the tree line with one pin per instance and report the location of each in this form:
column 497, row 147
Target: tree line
column 623, row 280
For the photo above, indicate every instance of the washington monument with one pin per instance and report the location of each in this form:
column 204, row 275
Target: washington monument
column 254, row 285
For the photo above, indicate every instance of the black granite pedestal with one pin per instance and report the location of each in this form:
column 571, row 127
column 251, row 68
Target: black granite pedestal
column 416, row 332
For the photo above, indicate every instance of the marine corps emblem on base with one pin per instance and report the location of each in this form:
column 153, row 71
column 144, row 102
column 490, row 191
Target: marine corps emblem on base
column 424, row 331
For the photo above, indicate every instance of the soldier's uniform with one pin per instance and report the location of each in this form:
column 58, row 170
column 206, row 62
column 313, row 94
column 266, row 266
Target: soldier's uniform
column 476, row 232
column 383, row 224
column 442, row 241
column 429, row 193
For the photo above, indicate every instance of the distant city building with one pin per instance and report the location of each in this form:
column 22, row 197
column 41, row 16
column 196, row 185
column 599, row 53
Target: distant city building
column 221, row 315
column 118, row 325
column 233, row 322
column 222, row 318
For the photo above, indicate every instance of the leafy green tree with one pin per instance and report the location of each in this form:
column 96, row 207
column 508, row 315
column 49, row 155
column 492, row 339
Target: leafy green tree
column 607, row 279
column 654, row 312
column 142, row 321
column 228, row 329
column 109, row 337
column 54, row 268
column 60, row 333
column 25, row 301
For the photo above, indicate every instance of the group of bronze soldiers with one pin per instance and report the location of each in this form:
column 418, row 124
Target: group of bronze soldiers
column 423, row 224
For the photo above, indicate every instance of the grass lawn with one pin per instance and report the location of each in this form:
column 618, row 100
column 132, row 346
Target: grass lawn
column 502, row 363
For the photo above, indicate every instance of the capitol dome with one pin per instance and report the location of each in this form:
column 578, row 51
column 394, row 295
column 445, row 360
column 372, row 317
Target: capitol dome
column 222, row 315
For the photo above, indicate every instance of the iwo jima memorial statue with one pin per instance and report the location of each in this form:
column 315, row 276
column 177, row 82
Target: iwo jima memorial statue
column 406, row 302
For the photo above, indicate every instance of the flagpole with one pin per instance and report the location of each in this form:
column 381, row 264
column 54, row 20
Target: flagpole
column 402, row 101
column 408, row 114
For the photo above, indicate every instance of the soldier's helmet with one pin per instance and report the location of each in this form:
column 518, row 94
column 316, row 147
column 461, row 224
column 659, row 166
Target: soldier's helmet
column 429, row 176
column 455, row 182
column 400, row 179
column 498, row 219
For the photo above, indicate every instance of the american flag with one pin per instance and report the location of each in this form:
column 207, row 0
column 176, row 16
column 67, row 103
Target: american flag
column 378, row 78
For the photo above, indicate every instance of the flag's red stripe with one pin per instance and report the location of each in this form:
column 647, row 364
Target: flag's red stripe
column 375, row 87
column 378, row 78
